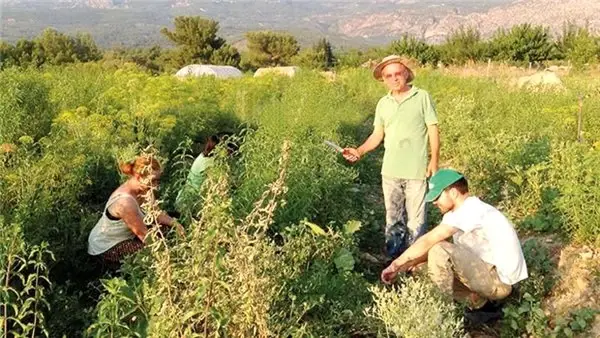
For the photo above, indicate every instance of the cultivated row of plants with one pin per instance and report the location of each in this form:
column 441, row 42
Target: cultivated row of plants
column 273, row 248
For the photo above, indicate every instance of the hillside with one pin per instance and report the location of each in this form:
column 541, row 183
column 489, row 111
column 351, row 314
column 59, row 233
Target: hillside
column 351, row 24
column 552, row 13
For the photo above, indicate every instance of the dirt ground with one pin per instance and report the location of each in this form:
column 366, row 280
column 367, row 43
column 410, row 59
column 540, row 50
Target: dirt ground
column 579, row 284
column 577, row 287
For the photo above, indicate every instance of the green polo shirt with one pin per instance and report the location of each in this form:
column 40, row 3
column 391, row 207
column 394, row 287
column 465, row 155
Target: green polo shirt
column 406, row 140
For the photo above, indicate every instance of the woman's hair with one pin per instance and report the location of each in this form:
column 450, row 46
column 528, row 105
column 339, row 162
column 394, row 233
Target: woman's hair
column 210, row 145
column 140, row 166
column 214, row 140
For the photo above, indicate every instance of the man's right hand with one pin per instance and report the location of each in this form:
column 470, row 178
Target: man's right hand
column 351, row 155
column 388, row 274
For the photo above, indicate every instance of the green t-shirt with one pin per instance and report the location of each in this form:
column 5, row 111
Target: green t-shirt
column 194, row 180
column 406, row 140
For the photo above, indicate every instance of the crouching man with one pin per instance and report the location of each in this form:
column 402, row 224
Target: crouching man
column 483, row 261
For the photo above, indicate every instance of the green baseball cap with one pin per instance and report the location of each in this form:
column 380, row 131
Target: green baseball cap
column 441, row 180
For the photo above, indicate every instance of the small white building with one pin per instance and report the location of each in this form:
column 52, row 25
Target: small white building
column 287, row 71
column 220, row 72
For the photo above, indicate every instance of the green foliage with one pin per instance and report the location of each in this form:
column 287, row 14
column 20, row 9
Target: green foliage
column 321, row 294
column 412, row 47
column 320, row 56
column 50, row 47
column 522, row 44
column 416, row 308
column 24, row 276
column 578, row 45
column 7, row 55
column 524, row 313
column 283, row 275
column 57, row 48
column 576, row 322
column 353, row 58
column 197, row 42
column 269, row 49
column 525, row 317
column 229, row 278
column 153, row 59
column 25, row 107
column 463, row 45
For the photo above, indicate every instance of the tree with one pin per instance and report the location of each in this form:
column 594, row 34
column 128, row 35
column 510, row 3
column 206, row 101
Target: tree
column 148, row 58
column 85, row 48
column 26, row 53
column 414, row 48
column 523, row 43
column 270, row 49
column 226, row 55
column 51, row 47
column 54, row 47
column 578, row 45
column 7, row 58
column 197, row 42
column 324, row 54
column 462, row 45
column 320, row 56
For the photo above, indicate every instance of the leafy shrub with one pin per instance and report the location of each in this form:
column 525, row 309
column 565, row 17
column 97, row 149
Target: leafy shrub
column 25, row 106
column 415, row 309
column 463, row 45
column 415, row 48
column 578, row 45
column 524, row 313
column 24, row 275
column 523, row 43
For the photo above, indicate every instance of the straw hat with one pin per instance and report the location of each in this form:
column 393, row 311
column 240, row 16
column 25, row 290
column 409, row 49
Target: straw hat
column 388, row 60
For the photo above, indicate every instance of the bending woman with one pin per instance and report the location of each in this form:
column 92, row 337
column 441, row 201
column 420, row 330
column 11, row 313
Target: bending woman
column 121, row 230
column 190, row 192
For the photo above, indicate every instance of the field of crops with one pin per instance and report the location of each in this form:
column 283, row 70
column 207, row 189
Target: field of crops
column 275, row 247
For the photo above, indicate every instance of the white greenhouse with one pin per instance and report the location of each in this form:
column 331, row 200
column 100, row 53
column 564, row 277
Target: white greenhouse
column 220, row 72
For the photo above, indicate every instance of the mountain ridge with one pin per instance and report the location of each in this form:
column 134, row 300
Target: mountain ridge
column 347, row 24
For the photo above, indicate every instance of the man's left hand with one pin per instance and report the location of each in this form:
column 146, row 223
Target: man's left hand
column 432, row 168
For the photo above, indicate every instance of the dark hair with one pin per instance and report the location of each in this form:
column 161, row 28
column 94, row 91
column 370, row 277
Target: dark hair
column 210, row 145
column 461, row 185
column 214, row 140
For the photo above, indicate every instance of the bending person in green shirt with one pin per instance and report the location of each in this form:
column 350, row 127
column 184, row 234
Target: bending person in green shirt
column 191, row 189
column 406, row 121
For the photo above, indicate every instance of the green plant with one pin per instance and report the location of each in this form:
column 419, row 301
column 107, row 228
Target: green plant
column 525, row 317
column 463, row 45
column 416, row 308
column 576, row 322
column 415, row 48
column 523, row 313
column 24, row 284
column 522, row 43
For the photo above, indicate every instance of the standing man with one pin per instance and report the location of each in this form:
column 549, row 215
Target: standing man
column 406, row 120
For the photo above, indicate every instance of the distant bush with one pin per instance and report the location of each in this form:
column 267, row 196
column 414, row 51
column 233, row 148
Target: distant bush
column 579, row 45
column 415, row 48
column 463, row 45
column 522, row 44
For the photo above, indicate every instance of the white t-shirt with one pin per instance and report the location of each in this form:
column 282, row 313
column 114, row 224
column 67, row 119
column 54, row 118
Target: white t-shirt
column 488, row 233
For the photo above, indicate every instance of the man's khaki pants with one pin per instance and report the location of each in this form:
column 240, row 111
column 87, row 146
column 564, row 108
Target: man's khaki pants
column 457, row 271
